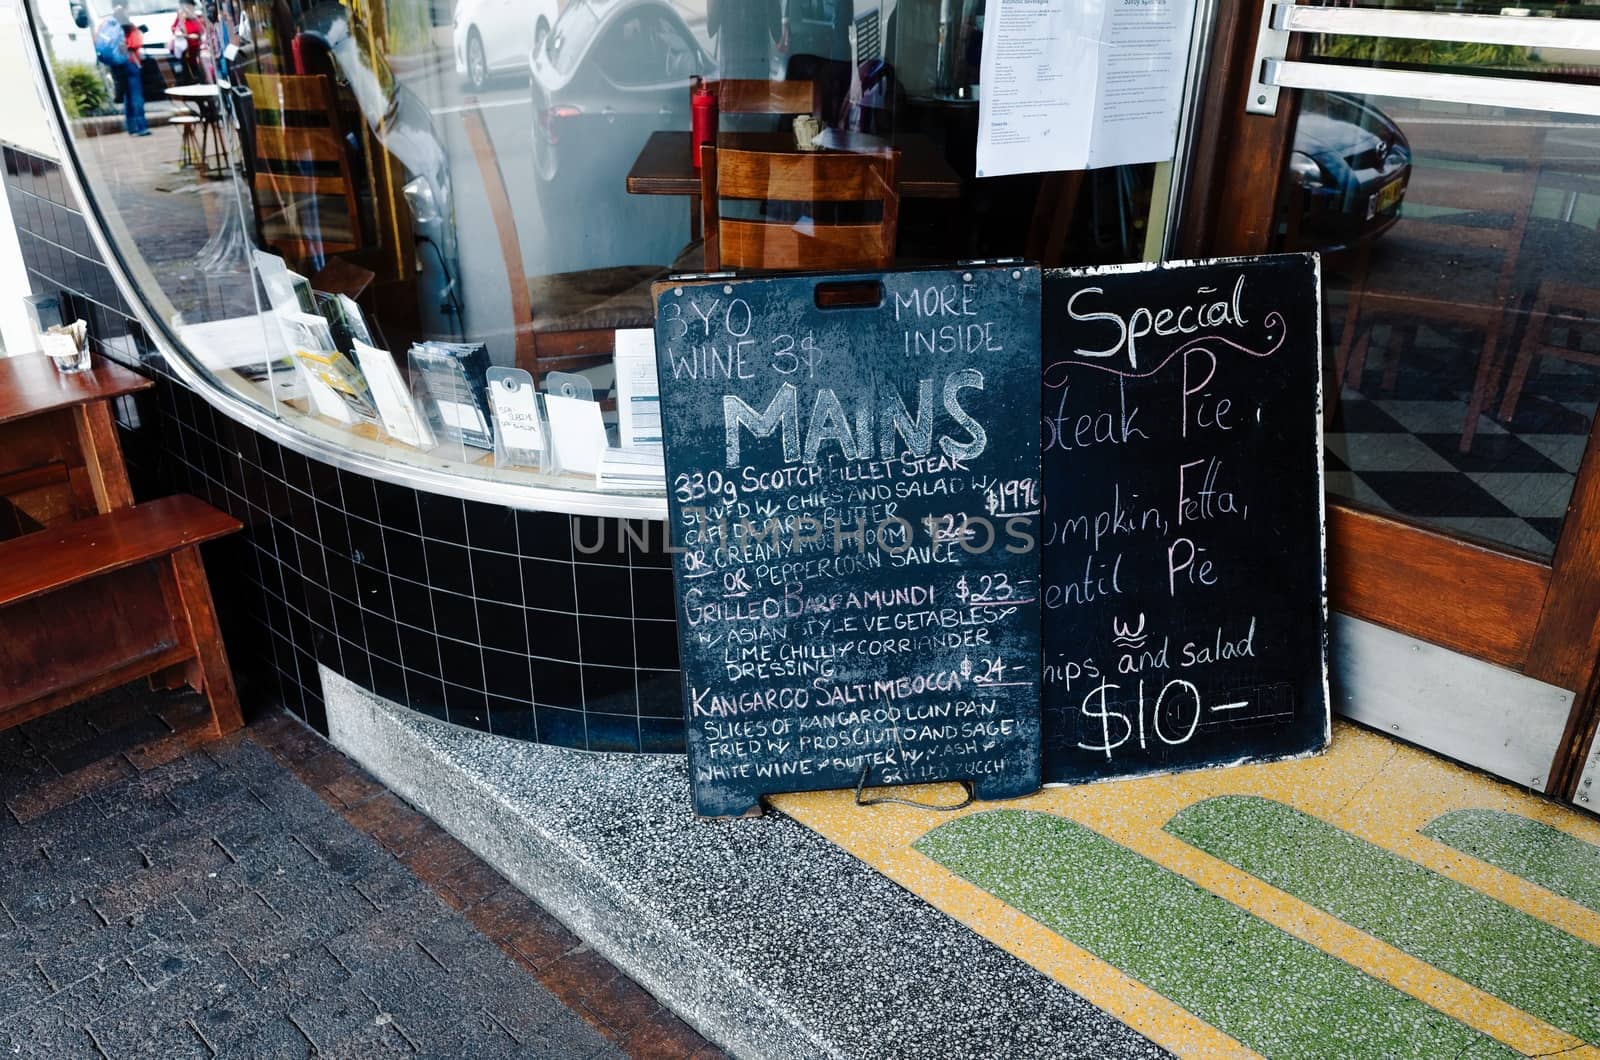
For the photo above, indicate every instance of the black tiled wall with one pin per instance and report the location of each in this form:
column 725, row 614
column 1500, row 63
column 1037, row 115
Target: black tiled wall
column 474, row 613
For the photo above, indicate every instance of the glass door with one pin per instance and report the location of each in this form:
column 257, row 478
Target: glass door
column 1446, row 164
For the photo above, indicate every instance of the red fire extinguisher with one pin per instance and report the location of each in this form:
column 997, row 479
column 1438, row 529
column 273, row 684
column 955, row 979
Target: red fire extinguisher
column 703, row 114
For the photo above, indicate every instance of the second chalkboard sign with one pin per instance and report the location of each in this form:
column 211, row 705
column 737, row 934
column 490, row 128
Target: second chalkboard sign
column 1184, row 590
column 852, row 483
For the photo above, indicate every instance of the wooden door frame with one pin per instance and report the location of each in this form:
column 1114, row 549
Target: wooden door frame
column 1540, row 619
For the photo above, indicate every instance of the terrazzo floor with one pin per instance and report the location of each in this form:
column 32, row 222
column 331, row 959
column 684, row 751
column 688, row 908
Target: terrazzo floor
column 1373, row 901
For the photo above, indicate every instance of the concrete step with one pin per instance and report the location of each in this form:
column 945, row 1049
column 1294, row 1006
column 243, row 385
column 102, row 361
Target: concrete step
column 764, row 936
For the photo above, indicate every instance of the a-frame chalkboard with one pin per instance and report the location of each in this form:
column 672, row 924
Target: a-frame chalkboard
column 852, row 483
column 1184, row 588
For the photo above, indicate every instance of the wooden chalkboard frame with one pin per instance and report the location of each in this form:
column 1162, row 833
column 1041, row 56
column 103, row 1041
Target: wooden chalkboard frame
column 1084, row 657
column 748, row 442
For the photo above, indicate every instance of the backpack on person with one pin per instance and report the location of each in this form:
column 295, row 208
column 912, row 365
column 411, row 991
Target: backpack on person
column 111, row 42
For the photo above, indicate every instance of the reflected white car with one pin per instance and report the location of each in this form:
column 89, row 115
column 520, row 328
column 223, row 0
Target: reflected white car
column 495, row 36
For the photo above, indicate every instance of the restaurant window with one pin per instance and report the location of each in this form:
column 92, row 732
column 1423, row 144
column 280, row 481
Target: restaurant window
column 349, row 215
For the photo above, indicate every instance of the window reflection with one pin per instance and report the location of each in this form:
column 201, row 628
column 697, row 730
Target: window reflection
column 501, row 182
column 1462, row 356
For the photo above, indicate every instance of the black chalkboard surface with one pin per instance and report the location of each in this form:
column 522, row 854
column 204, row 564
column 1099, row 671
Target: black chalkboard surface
column 853, row 504
column 1184, row 592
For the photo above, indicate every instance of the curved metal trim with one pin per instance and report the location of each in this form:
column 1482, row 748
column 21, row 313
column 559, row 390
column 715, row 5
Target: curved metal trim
column 1512, row 93
column 1575, row 33
column 513, row 495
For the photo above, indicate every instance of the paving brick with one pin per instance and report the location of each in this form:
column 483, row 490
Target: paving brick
column 106, row 745
column 502, row 911
column 353, row 788
column 436, row 858
column 314, row 973
column 474, row 882
column 249, row 1022
column 574, row 976
column 321, row 769
column 156, row 1024
column 343, row 851
column 21, row 985
column 178, row 896
column 198, row 794
column 67, row 788
column 44, row 1030
column 387, row 883
column 99, row 995
column 152, row 786
column 334, row 1016
column 621, row 1004
column 663, row 1037
column 66, row 962
column 382, row 1037
column 542, row 940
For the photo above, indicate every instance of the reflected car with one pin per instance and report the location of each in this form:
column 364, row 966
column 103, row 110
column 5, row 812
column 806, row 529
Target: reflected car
column 611, row 73
column 1351, row 164
column 400, row 121
column 490, row 37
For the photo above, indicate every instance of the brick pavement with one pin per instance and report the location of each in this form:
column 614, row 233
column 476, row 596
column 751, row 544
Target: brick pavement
column 166, row 895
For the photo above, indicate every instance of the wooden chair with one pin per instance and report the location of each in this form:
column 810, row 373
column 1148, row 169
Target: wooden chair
column 1574, row 307
column 736, row 96
column 798, row 177
column 301, row 168
column 562, row 321
column 1377, row 292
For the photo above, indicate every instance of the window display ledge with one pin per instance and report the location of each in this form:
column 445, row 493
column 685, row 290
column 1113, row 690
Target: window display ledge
column 344, row 451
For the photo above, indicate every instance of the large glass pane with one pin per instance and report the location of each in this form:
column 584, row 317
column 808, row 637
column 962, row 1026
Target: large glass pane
column 471, row 184
column 1463, row 306
column 159, row 154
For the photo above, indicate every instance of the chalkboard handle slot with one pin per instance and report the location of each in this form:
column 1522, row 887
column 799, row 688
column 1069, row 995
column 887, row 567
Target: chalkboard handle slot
column 849, row 294
column 881, row 800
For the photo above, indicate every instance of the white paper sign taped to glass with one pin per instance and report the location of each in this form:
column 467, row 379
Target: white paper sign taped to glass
column 1069, row 85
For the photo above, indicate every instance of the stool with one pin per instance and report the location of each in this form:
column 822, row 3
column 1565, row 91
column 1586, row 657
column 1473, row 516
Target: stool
column 193, row 151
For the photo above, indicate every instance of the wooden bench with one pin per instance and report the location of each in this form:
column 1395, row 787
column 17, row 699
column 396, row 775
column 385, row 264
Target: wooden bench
column 94, row 603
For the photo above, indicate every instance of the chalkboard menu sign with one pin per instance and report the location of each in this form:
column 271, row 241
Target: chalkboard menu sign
column 852, row 481
column 1184, row 592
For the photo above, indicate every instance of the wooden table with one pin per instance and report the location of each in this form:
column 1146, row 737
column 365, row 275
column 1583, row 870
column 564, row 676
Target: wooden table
column 59, row 454
column 91, row 601
column 202, row 101
column 664, row 166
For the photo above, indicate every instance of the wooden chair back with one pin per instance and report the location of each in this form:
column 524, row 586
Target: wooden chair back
column 799, row 177
column 736, row 96
column 1460, row 197
column 301, row 168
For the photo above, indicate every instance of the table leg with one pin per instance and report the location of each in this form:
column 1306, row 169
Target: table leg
column 102, row 455
column 694, row 218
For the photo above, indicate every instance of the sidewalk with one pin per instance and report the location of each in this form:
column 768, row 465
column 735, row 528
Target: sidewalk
column 167, row 895
column 1373, row 901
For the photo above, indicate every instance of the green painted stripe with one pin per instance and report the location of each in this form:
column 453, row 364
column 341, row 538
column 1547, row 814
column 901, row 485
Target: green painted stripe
column 1529, row 849
column 1500, row 950
column 1278, row 995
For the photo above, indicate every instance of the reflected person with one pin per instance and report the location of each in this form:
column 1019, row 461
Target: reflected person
column 127, row 67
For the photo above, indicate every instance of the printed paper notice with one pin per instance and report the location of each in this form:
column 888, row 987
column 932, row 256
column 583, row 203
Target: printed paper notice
column 1074, row 85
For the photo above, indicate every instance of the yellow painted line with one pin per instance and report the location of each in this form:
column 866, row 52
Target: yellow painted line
column 1368, row 785
column 882, row 837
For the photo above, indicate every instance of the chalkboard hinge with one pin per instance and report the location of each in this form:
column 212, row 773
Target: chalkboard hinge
column 677, row 276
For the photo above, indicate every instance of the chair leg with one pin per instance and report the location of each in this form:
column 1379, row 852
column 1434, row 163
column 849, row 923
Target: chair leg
column 207, row 636
column 1531, row 340
column 1405, row 342
column 1487, row 382
column 1358, row 359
